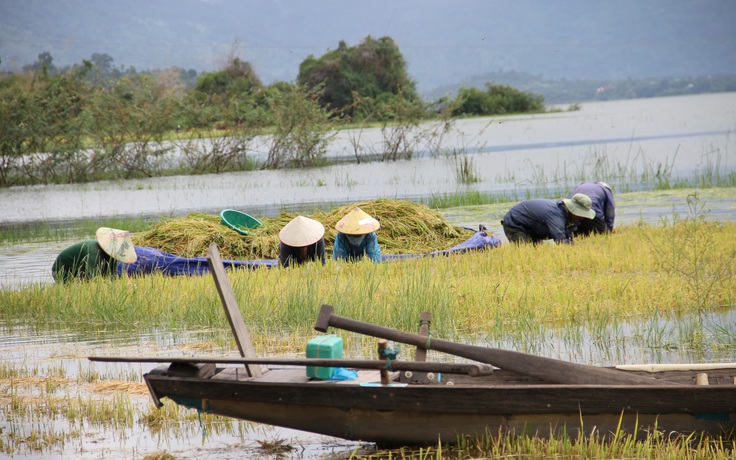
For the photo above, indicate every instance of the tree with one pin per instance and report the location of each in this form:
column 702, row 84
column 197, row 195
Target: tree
column 237, row 77
column 374, row 69
column 45, row 64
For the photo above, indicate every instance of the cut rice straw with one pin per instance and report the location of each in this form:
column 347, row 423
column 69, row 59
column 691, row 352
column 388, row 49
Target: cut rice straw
column 406, row 227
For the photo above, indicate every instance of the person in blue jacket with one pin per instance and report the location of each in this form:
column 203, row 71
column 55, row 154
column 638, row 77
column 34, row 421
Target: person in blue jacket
column 356, row 237
column 301, row 240
column 601, row 196
column 535, row 220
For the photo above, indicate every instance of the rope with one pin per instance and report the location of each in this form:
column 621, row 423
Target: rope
column 427, row 346
column 390, row 354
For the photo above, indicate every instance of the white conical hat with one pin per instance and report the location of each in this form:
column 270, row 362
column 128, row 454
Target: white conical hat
column 301, row 231
column 117, row 244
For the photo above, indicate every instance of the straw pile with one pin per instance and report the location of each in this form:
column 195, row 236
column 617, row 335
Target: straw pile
column 406, row 227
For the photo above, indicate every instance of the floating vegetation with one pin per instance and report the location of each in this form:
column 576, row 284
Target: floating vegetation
column 406, row 227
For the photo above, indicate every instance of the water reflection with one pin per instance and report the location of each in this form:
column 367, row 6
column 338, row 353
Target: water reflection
column 59, row 354
column 705, row 337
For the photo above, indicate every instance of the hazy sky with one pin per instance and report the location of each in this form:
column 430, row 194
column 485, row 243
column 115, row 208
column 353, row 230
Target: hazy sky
column 442, row 41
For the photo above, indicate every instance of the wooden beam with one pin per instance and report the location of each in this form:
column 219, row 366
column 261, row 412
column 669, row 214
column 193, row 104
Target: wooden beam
column 548, row 369
column 471, row 369
column 232, row 311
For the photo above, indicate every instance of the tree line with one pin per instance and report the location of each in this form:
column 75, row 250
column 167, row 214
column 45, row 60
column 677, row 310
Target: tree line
column 94, row 121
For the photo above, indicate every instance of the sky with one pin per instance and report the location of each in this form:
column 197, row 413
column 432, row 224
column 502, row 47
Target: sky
column 442, row 42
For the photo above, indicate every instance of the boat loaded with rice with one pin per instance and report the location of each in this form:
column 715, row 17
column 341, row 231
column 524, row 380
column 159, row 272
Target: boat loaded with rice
column 391, row 401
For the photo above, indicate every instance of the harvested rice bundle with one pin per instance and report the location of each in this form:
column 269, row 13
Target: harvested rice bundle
column 190, row 236
column 406, row 227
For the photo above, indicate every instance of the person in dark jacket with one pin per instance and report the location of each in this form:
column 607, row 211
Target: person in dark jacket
column 601, row 197
column 356, row 237
column 98, row 257
column 302, row 240
column 535, row 220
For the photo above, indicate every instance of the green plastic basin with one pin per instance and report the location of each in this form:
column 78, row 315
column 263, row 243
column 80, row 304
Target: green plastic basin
column 239, row 221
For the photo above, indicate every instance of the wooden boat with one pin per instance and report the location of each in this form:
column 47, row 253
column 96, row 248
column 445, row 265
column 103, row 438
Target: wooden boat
column 421, row 402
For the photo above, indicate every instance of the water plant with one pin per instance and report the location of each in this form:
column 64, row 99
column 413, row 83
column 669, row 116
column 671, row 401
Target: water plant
column 464, row 168
column 496, row 293
column 689, row 252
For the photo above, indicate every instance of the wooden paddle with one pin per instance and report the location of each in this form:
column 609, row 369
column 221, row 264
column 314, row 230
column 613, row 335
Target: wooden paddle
column 548, row 369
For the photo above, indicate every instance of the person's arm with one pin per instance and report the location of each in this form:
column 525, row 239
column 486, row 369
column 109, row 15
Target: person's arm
column 609, row 213
column 557, row 226
column 338, row 250
column 372, row 249
column 286, row 254
column 321, row 250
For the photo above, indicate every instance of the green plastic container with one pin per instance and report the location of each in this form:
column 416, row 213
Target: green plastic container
column 239, row 221
column 323, row 346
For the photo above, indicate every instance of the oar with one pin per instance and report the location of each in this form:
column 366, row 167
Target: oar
column 548, row 369
column 472, row 369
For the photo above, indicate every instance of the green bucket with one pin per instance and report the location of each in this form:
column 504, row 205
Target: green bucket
column 239, row 221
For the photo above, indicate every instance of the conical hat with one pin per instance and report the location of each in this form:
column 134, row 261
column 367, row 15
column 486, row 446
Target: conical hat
column 357, row 222
column 117, row 244
column 301, row 231
column 580, row 205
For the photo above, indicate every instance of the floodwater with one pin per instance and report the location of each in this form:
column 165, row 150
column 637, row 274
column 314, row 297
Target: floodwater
column 685, row 135
column 623, row 142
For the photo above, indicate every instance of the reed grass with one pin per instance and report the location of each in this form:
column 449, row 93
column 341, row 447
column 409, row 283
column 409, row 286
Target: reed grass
column 655, row 446
column 511, row 293
column 62, row 231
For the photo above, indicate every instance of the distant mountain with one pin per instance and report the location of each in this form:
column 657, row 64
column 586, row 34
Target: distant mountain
column 443, row 42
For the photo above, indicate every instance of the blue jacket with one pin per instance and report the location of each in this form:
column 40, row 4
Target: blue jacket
column 602, row 198
column 343, row 249
column 541, row 219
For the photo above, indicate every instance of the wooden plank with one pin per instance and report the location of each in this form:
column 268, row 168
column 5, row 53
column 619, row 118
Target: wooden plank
column 676, row 367
column 425, row 319
column 441, row 399
column 472, row 369
column 234, row 317
column 420, row 354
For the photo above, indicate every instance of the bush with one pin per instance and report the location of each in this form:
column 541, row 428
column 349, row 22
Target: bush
column 495, row 100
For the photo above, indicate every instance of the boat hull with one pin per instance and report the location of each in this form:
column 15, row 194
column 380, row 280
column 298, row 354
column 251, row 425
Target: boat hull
column 422, row 414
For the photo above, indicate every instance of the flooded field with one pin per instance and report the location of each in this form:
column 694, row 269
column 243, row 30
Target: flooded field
column 635, row 145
